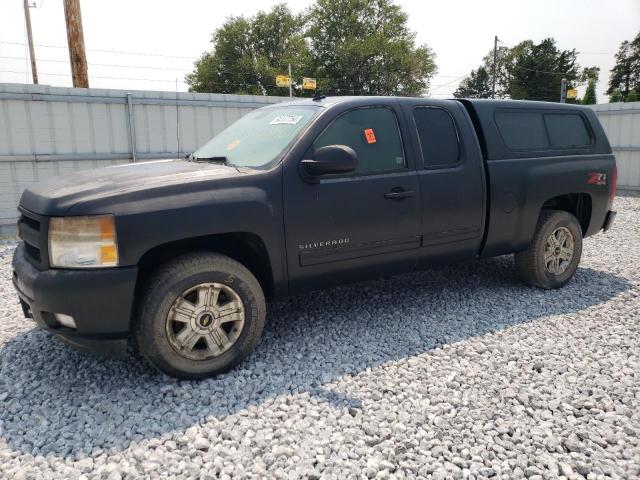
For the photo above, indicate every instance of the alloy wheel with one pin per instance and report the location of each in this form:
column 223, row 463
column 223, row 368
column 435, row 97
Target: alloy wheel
column 205, row 321
column 559, row 251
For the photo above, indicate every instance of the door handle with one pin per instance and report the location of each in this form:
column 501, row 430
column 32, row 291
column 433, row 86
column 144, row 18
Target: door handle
column 398, row 194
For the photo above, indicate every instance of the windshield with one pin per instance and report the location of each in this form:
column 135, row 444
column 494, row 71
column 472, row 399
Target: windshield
column 259, row 137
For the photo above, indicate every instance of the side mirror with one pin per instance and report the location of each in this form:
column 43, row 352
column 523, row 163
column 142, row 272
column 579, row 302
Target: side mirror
column 330, row 159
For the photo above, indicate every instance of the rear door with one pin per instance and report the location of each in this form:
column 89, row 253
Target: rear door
column 358, row 225
column 451, row 178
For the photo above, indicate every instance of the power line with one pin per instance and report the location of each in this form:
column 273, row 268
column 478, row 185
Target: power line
column 449, row 83
column 258, row 83
column 102, row 64
column 94, row 76
column 189, row 70
column 334, row 86
column 119, row 52
column 541, row 71
column 328, row 88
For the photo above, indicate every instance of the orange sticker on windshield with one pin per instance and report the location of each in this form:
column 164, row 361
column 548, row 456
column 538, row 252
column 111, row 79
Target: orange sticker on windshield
column 370, row 135
column 233, row 144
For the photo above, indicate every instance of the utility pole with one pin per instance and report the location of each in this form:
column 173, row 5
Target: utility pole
column 290, row 83
column 32, row 53
column 495, row 61
column 563, row 90
column 75, row 39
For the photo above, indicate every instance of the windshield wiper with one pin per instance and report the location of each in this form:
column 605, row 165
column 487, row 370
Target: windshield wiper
column 221, row 160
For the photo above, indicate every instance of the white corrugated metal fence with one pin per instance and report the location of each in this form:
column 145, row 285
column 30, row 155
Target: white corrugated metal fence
column 621, row 122
column 46, row 131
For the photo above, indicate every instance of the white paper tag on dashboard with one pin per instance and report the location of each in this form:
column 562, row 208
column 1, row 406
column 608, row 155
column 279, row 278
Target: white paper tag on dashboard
column 286, row 119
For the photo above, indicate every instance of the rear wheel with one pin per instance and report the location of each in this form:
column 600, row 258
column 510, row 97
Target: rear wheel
column 201, row 315
column 554, row 253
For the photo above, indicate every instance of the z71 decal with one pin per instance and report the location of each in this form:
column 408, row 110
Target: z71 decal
column 597, row 179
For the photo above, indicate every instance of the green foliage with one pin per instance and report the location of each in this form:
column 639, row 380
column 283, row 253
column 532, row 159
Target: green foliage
column 358, row 47
column 590, row 75
column 625, row 75
column 364, row 47
column 535, row 71
column 527, row 71
column 634, row 96
column 476, row 85
column 249, row 52
column 590, row 95
column 616, row 96
column 479, row 83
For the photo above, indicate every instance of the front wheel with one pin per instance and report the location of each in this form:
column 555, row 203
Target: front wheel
column 201, row 314
column 554, row 253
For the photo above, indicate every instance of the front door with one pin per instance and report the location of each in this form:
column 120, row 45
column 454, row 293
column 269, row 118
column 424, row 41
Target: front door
column 358, row 225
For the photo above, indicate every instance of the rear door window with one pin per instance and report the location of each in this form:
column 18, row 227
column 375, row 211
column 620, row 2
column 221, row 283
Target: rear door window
column 438, row 136
column 567, row 130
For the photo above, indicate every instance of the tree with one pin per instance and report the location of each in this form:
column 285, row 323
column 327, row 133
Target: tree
column 590, row 75
column 590, row 94
column 634, row 95
column 476, row 85
column 526, row 71
column 364, row 47
column 249, row 52
column 615, row 96
column 625, row 75
column 358, row 47
column 536, row 71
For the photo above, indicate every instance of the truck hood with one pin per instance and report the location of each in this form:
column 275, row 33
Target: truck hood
column 58, row 194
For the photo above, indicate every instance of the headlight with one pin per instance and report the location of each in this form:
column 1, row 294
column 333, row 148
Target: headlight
column 83, row 242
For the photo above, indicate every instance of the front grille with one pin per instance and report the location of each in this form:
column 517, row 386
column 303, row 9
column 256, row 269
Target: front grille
column 33, row 252
column 32, row 230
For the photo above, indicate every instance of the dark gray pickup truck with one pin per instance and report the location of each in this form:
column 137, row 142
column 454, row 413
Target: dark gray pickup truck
column 181, row 254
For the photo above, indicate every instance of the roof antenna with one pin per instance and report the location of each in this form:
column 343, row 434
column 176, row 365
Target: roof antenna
column 318, row 96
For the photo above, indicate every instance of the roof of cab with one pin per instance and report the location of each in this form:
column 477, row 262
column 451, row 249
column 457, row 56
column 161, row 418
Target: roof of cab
column 327, row 101
column 482, row 114
column 478, row 103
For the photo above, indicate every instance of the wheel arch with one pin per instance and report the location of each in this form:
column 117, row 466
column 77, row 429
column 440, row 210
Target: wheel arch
column 245, row 247
column 577, row 204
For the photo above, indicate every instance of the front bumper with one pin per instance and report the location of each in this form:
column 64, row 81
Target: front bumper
column 100, row 302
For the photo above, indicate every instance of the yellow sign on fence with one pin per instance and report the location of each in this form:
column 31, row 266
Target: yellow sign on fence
column 283, row 80
column 572, row 93
column 308, row 83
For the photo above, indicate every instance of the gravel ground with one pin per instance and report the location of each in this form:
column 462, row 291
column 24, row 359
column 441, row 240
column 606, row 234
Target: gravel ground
column 458, row 372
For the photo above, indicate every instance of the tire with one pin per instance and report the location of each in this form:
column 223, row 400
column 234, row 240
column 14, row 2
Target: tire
column 200, row 315
column 535, row 266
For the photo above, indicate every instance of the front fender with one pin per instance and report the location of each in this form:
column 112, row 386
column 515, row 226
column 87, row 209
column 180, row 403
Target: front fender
column 152, row 218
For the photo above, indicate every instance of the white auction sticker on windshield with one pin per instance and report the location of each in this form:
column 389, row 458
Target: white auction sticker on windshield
column 286, row 119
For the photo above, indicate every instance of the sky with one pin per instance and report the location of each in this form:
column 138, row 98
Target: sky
column 152, row 44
